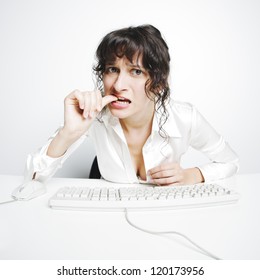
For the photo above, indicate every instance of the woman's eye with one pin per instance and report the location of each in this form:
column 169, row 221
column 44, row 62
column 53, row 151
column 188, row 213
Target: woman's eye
column 111, row 70
column 137, row 72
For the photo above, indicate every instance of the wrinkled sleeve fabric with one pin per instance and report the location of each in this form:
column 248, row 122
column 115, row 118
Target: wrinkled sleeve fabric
column 224, row 161
column 43, row 166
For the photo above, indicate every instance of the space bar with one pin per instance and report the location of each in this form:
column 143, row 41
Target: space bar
column 135, row 204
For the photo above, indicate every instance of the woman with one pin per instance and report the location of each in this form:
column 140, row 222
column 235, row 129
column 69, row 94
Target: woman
column 140, row 133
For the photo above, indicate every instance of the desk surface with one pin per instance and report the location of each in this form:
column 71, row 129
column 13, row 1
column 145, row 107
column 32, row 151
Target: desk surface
column 31, row 230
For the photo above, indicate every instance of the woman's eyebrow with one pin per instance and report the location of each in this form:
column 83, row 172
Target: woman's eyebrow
column 134, row 65
column 110, row 64
column 128, row 64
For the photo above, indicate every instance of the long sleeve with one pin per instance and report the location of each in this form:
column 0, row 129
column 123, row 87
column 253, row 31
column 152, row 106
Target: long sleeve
column 224, row 161
column 43, row 166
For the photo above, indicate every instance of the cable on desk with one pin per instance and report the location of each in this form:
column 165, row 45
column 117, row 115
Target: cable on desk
column 204, row 251
column 6, row 202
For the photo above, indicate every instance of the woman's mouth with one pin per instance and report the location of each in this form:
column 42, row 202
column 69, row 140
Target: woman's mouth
column 120, row 103
column 122, row 100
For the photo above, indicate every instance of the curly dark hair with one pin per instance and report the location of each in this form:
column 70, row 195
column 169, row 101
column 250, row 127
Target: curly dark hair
column 146, row 42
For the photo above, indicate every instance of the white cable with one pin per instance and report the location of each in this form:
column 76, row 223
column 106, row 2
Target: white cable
column 204, row 251
column 9, row 201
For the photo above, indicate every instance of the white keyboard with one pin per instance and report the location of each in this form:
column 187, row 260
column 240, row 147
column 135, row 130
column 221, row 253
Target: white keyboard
column 141, row 197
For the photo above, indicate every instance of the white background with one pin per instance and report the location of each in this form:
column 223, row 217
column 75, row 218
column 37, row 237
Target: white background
column 47, row 50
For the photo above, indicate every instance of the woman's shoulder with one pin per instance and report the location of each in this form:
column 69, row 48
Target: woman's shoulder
column 180, row 107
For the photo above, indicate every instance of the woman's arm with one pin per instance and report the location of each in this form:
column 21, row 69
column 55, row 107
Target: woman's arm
column 203, row 137
column 224, row 161
column 80, row 110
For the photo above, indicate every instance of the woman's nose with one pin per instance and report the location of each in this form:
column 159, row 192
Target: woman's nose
column 120, row 83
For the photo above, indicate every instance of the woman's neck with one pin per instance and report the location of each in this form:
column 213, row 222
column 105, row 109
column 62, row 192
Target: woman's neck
column 142, row 121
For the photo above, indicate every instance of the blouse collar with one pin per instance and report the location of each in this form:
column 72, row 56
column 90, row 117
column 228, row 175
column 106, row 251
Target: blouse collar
column 170, row 126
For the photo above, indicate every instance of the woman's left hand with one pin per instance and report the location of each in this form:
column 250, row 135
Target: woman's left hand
column 173, row 174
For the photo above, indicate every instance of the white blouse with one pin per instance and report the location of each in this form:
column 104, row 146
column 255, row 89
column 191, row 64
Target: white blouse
column 185, row 127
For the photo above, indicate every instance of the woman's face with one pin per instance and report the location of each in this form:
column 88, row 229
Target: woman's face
column 126, row 80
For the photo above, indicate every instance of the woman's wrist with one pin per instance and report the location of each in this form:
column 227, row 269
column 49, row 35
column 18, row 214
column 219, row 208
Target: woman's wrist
column 61, row 142
column 193, row 176
column 69, row 136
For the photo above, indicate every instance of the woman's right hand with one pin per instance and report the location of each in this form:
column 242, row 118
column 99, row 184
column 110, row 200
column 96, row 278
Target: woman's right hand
column 81, row 108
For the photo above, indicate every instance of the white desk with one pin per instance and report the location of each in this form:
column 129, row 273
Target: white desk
column 31, row 230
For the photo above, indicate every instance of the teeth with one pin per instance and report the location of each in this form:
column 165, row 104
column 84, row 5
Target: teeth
column 122, row 102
